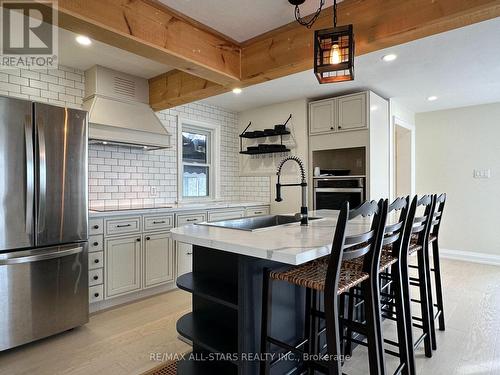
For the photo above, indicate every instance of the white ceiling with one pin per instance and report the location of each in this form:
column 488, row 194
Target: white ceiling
column 461, row 67
column 83, row 57
column 242, row 19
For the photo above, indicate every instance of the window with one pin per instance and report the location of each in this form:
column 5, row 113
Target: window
column 197, row 174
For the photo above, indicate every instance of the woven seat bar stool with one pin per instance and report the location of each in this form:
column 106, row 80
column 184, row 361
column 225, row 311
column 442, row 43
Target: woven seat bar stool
column 421, row 210
column 328, row 277
column 392, row 307
column 433, row 241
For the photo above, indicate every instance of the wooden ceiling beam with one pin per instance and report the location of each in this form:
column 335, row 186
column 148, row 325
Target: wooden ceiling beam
column 378, row 24
column 152, row 30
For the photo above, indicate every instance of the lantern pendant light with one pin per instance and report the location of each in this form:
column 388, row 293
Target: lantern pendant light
column 334, row 52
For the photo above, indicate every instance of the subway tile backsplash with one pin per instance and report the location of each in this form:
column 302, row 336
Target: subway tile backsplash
column 124, row 175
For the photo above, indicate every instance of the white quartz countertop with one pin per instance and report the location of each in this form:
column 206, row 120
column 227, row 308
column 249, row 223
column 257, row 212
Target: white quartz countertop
column 291, row 243
column 171, row 208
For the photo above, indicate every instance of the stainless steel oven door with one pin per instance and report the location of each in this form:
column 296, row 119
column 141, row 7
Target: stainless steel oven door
column 333, row 198
column 43, row 292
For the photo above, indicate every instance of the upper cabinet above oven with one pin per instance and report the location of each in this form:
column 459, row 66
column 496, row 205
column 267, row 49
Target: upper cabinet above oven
column 344, row 113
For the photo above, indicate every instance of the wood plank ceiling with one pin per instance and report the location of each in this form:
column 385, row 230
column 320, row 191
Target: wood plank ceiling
column 207, row 63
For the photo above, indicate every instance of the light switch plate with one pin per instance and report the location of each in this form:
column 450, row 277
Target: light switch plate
column 153, row 191
column 482, row 173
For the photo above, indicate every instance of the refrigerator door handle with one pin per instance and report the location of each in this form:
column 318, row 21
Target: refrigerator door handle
column 42, row 198
column 39, row 257
column 30, row 184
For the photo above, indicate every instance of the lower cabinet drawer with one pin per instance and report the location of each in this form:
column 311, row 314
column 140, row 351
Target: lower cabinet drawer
column 257, row 211
column 186, row 219
column 164, row 222
column 95, row 243
column 96, row 293
column 96, row 260
column 95, row 277
column 123, row 225
column 225, row 215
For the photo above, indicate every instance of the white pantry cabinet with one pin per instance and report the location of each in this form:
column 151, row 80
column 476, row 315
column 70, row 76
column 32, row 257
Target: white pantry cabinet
column 344, row 113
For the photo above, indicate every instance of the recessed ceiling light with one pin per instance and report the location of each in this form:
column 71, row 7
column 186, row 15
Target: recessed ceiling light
column 432, row 98
column 389, row 57
column 237, row 90
column 83, row 40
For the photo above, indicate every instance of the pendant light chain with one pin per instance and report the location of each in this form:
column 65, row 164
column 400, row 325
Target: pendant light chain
column 335, row 13
column 309, row 23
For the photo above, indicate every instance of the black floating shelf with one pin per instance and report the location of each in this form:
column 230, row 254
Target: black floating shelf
column 274, row 134
column 259, row 152
column 215, row 333
column 210, row 289
column 191, row 367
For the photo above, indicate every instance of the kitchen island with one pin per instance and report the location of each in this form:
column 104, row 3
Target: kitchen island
column 226, row 287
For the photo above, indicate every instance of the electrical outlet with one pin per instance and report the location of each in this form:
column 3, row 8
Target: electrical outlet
column 153, row 191
column 482, row 173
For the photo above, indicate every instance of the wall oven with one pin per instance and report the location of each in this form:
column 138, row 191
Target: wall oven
column 332, row 191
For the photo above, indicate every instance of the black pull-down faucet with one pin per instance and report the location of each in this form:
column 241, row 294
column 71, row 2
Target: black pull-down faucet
column 303, row 184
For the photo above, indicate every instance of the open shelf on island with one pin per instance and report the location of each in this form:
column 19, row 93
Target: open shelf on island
column 210, row 289
column 259, row 152
column 269, row 134
column 211, row 330
column 190, row 367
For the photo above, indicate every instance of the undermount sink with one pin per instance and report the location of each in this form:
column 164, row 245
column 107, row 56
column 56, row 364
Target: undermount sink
column 252, row 224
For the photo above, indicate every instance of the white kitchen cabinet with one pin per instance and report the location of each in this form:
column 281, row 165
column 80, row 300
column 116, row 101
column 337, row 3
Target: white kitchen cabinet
column 123, row 265
column 158, row 259
column 257, row 211
column 322, row 116
column 225, row 215
column 184, row 258
column 352, row 112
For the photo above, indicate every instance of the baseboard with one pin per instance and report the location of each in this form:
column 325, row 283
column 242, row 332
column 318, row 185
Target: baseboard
column 470, row 256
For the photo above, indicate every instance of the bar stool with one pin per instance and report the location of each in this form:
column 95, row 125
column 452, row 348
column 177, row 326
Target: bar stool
column 329, row 276
column 393, row 304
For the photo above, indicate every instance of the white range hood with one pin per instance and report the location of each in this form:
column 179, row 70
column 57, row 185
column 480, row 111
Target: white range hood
column 119, row 112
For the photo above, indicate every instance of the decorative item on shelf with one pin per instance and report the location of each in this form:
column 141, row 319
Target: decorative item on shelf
column 263, row 148
column 333, row 47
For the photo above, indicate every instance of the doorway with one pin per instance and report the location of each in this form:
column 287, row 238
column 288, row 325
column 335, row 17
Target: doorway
column 404, row 159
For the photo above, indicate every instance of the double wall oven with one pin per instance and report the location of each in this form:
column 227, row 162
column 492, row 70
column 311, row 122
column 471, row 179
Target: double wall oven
column 330, row 192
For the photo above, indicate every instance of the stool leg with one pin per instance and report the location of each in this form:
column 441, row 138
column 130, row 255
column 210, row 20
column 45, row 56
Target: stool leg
column 401, row 318
column 265, row 322
column 350, row 317
column 439, row 287
column 332, row 334
column 405, row 291
column 430, row 299
column 424, row 302
column 373, row 332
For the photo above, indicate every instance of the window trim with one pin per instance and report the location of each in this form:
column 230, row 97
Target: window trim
column 214, row 150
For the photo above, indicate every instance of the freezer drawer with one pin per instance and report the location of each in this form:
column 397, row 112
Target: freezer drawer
column 43, row 292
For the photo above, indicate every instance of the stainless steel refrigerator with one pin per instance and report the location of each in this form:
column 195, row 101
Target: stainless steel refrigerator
column 43, row 220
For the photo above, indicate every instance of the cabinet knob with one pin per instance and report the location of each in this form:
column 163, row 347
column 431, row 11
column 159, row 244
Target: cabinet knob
column 96, row 226
column 95, row 243
column 96, row 295
column 138, row 240
column 96, row 261
column 331, row 127
column 148, row 238
column 340, row 127
column 189, row 253
column 96, row 277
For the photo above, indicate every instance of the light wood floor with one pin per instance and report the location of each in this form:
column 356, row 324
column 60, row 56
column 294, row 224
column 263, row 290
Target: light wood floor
column 120, row 341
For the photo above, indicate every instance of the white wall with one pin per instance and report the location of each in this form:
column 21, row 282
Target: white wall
column 266, row 165
column 450, row 145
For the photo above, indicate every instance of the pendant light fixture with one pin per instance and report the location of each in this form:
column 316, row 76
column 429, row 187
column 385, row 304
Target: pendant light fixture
column 333, row 47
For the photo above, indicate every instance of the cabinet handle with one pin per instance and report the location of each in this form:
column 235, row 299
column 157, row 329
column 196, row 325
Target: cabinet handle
column 95, row 243
column 189, row 253
column 96, row 226
column 96, row 295
column 340, row 127
column 124, row 225
column 96, row 277
column 96, row 261
column 138, row 240
column 191, row 220
column 257, row 212
column 159, row 222
column 148, row 238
